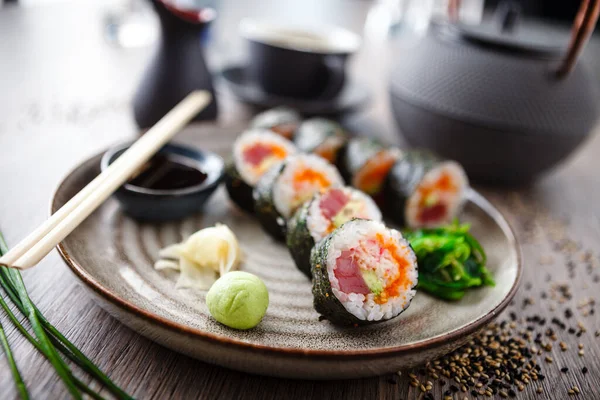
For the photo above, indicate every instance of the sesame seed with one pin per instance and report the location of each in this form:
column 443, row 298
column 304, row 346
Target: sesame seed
column 580, row 353
column 422, row 387
column 539, row 389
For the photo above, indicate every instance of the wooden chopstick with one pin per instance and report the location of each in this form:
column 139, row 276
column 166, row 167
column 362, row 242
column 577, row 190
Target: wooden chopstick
column 41, row 241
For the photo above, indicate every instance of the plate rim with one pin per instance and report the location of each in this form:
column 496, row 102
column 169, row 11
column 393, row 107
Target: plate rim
column 166, row 323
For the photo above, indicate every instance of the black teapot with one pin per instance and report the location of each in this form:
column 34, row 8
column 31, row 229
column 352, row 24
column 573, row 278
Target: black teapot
column 507, row 107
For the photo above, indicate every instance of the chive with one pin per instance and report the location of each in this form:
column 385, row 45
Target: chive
column 49, row 338
column 35, row 344
column 13, row 365
column 59, row 365
column 63, row 344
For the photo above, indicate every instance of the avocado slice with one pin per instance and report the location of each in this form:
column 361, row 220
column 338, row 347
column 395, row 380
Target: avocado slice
column 372, row 281
column 346, row 214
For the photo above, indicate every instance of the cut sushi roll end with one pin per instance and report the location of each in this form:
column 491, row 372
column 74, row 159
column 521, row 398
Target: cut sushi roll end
column 320, row 216
column 254, row 152
column 438, row 197
column 279, row 194
column 322, row 137
column 363, row 273
column 281, row 120
column 303, row 176
column 371, row 176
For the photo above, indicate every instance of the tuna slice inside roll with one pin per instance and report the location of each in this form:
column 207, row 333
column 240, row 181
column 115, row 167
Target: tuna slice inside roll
column 337, row 206
column 439, row 196
column 372, row 270
column 304, row 175
column 255, row 151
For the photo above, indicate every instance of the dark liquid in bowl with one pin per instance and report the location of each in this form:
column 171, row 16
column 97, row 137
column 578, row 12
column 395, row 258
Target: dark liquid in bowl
column 167, row 172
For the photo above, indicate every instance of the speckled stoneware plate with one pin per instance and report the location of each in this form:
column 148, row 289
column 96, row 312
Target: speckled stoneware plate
column 114, row 255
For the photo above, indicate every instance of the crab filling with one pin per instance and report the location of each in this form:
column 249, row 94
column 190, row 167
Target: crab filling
column 376, row 266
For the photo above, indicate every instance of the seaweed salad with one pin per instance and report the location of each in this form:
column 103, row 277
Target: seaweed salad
column 450, row 260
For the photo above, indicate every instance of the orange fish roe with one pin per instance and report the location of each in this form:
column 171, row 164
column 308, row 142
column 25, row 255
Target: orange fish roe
column 310, row 176
column 370, row 177
column 401, row 281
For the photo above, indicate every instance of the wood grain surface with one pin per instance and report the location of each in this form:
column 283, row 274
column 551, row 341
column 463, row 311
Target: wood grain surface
column 64, row 95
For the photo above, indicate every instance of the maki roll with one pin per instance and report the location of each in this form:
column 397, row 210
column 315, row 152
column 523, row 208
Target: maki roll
column 423, row 191
column 363, row 272
column 281, row 120
column 365, row 164
column 322, row 137
column 254, row 152
column 318, row 217
column 355, row 154
column 284, row 188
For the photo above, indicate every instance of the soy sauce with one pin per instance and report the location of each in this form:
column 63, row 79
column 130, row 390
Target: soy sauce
column 168, row 172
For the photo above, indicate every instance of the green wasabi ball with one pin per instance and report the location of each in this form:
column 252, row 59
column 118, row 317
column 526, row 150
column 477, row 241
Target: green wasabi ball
column 238, row 299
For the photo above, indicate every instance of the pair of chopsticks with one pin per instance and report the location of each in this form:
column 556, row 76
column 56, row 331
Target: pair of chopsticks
column 40, row 242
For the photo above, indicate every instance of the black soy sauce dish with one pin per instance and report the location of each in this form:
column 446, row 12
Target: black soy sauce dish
column 175, row 183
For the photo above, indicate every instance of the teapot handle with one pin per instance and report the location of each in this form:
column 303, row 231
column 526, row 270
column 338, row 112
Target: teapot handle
column 583, row 26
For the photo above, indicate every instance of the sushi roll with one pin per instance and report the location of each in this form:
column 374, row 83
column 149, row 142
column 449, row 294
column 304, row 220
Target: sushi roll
column 424, row 191
column 254, row 152
column 284, row 188
column 322, row 137
column 355, row 154
column 363, row 272
column 281, row 120
column 318, row 217
column 366, row 163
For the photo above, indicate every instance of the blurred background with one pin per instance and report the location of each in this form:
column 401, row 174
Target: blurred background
column 74, row 60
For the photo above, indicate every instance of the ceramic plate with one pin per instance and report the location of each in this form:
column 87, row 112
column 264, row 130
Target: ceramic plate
column 113, row 256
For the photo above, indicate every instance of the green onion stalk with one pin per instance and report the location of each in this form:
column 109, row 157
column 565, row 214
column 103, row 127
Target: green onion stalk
column 47, row 340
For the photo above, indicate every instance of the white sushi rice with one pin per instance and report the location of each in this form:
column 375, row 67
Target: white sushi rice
column 286, row 196
column 318, row 225
column 453, row 200
column 249, row 138
column 353, row 235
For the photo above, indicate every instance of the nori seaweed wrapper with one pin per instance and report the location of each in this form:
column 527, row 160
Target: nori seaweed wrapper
column 325, row 302
column 402, row 181
column 353, row 156
column 281, row 120
column 268, row 216
column 299, row 240
column 239, row 191
column 321, row 136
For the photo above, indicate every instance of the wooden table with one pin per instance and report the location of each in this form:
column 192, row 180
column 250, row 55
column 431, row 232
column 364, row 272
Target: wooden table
column 64, row 95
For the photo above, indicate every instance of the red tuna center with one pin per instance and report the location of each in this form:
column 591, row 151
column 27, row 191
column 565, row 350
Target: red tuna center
column 256, row 154
column 333, row 202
